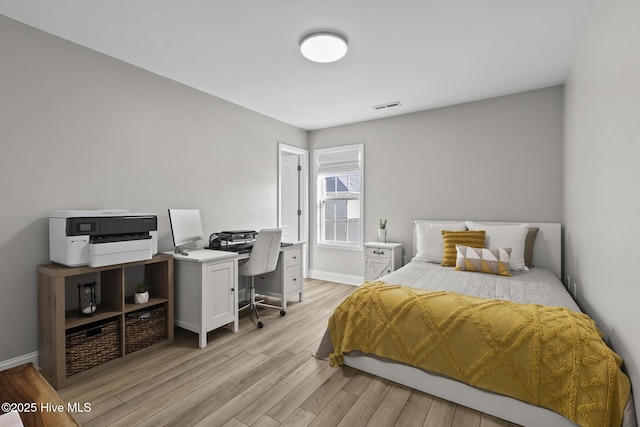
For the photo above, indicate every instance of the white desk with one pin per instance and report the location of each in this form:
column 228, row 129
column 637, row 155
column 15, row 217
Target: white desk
column 206, row 287
column 286, row 280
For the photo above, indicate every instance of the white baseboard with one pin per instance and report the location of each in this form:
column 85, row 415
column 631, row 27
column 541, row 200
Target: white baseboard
column 335, row 277
column 20, row 360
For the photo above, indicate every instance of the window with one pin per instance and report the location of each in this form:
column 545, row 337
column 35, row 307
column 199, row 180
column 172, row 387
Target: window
column 339, row 192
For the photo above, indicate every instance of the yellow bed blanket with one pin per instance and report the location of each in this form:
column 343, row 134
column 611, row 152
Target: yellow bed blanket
column 547, row 356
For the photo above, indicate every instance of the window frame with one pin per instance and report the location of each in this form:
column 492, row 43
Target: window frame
column 338, row 169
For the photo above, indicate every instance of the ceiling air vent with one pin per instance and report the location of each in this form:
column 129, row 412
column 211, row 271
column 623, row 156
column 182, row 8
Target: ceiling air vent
column 387, row 105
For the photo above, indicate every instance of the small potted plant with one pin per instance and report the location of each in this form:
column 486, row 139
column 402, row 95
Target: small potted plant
column 382, row 231
column 142, row 293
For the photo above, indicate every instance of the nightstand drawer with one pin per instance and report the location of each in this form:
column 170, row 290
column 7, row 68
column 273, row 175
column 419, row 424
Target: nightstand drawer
column 378, row 252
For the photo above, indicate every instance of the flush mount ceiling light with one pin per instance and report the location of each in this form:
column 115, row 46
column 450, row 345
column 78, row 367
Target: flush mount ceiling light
column 323, row 46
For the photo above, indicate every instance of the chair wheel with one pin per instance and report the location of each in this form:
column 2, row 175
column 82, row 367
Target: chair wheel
column 282, row 312
column 260, row 324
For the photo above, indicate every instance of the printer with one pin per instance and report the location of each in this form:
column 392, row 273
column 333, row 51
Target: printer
column 101, row 237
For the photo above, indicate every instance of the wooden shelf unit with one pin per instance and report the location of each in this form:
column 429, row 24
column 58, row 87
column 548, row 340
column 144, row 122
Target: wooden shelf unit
column 57, row 287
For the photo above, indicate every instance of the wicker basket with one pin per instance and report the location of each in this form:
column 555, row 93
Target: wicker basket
column 92, row 345
column 145, row 328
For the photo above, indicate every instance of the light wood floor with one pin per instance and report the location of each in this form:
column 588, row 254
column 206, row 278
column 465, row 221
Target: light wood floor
column 259, row 377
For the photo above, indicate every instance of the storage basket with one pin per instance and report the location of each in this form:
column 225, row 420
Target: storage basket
column 92, row 345
column 144, row 328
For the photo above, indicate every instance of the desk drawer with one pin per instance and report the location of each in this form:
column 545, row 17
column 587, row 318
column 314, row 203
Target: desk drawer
column 292, row 257
column 292, row 279
column 378, row 252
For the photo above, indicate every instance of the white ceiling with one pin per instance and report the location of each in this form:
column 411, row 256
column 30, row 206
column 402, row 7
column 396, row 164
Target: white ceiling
column 423, row 53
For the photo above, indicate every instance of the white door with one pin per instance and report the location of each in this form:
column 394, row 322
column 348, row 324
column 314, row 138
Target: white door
column 293, row 197
column 290, row 209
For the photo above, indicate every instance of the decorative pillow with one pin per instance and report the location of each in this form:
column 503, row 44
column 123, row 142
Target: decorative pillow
column 450, row 239
column 505, row 236
column 429, row 246
column 528, row 246
column 491, row 261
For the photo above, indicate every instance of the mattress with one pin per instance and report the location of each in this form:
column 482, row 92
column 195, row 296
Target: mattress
column 536, row 286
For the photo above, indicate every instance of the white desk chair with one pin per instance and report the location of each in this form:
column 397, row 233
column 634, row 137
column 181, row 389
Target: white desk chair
column 263, row 259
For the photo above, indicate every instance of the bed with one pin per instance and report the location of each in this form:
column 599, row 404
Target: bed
column 533, row 278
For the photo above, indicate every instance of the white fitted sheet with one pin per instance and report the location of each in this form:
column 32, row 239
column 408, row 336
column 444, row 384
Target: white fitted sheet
column 536, row 286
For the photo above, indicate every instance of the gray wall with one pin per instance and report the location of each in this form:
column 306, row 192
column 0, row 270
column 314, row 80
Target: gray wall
column 497, row 159
column 602, row 150
column 80, row 130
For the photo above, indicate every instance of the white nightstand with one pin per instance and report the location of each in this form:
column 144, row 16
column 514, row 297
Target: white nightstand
column 381, row 259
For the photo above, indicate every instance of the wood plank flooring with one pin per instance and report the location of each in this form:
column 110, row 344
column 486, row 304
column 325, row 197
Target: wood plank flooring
column 260, row 377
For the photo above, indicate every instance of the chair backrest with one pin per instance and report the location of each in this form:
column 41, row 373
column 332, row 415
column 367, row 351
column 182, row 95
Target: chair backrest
column 264, row 255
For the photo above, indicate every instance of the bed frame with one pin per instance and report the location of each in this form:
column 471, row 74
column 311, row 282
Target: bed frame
column 547, row 254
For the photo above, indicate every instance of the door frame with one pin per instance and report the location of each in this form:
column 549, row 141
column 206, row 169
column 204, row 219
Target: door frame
column 303, row 159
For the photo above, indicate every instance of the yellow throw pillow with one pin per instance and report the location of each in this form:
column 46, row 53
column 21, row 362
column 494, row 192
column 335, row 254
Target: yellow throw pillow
column 450, row 239
column 491, row 261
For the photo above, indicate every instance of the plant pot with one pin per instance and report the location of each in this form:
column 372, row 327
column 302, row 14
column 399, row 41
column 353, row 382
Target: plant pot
column 141, row 297
column 382, row 235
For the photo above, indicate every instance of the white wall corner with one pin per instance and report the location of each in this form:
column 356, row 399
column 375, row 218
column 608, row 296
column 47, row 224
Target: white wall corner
column 20, row 360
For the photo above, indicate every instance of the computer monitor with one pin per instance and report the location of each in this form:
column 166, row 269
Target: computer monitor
column 186, row 228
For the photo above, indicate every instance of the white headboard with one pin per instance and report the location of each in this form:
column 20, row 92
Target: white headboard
column 547, row 251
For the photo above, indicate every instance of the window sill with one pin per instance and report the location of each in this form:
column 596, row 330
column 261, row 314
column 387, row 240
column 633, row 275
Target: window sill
column 339, row 247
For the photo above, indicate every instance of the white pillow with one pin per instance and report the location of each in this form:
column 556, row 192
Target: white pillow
column 429, row 247
column 505, row 236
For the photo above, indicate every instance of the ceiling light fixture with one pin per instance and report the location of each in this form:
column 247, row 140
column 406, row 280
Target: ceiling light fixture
column 323, row 46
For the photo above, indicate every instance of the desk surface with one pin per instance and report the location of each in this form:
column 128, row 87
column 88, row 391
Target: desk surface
column 204, row 255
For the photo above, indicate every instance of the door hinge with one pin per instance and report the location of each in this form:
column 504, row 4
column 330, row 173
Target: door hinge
column 299, row 212
column 299, row 168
